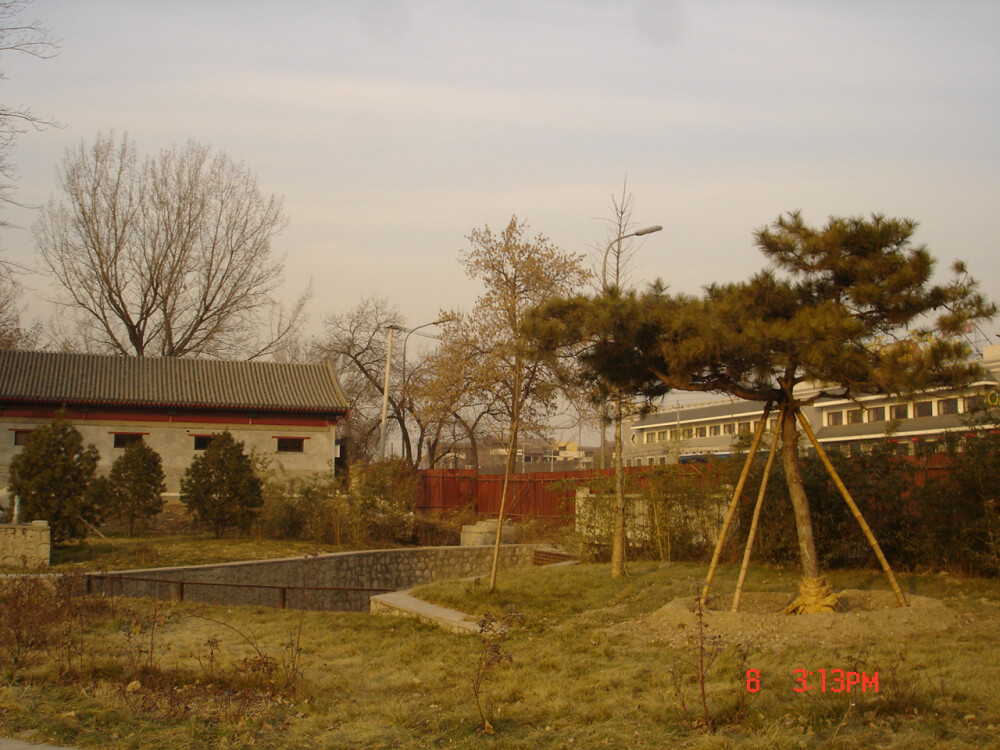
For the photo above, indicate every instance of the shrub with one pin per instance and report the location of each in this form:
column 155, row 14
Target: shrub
column 687, row 503
column 961, row 507
column 382, row 498
column 310, row 507
column 51, row 475
column 136, row 485
column 220, row 487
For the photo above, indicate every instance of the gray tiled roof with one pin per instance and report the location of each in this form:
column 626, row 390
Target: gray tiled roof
column 50, row 377
column 669, row 416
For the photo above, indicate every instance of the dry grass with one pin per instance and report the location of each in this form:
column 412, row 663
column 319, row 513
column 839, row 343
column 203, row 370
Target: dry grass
column 586, row 672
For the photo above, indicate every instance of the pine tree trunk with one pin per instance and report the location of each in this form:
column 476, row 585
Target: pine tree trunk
column 800, row 503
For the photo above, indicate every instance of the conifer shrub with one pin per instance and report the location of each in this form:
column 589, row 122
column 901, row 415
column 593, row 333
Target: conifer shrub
column 135, row 486
column 51, row 475
column 221, row 489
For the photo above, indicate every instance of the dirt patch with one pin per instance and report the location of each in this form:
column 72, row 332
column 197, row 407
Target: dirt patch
column 862, row 617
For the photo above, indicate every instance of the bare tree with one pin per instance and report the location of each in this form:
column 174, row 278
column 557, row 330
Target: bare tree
column 519, row 274
column 454, row 391
column 356, row 342
column 168, row 255
column 28, row 38
column 12, row 335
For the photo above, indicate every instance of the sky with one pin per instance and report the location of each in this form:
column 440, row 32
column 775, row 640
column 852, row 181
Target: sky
column 392, row 129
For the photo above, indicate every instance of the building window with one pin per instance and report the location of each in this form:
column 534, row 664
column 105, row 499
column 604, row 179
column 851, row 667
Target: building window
column 854, row 416
column 649, row 437
column 715, row 430
column 700, row 432
column 688, row 433
column 729, row 429
column 975, row 403
column 201, row 441
column 661, row 436
column 744, row 427
column 876, row 414
column 923, row 409
column 772, row 425
column 125, row 439
column 673, row 435
column 291, row 445
column 21, row 436
column 948, row 406
column 899, row 411
column 834, row 418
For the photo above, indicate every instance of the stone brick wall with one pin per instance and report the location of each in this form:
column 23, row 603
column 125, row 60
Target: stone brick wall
column 25, row 544
column 282, row 580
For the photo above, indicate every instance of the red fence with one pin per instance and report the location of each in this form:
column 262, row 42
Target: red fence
column 551, row 495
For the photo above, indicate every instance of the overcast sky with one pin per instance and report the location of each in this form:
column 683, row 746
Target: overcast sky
column 393, row 128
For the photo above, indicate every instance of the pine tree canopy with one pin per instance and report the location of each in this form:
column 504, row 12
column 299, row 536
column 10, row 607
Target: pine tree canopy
column 850, row 306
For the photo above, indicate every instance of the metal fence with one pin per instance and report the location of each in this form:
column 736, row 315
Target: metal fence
column 326, row 598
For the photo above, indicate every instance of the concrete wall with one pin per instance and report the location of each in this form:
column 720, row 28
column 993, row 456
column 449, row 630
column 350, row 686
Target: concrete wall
column 281, row 582
column 174, row 441
column 25, row 544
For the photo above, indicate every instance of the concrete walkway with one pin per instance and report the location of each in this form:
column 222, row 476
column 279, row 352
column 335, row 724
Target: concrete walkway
column 401, row 604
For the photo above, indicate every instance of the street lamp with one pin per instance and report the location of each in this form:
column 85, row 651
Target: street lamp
column 604, row 285
column 617, row 240
column 385, row 385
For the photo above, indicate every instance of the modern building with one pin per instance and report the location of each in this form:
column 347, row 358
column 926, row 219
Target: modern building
column 916, row 422
column 285, row 412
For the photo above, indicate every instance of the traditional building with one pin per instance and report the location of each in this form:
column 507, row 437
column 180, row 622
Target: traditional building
column 285, row 412
column 917, row 422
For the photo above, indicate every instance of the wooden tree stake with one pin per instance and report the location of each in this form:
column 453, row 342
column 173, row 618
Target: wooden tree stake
column 756, row 514
column 736, row 498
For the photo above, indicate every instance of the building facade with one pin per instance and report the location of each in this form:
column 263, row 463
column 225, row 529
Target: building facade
column 287, row 413
column 916, row 423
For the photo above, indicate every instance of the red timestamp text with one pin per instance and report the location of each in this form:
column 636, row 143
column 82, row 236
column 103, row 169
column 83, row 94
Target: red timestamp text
column 822, row 680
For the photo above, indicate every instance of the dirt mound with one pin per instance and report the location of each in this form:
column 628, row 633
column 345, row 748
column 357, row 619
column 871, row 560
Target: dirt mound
column 862, row 616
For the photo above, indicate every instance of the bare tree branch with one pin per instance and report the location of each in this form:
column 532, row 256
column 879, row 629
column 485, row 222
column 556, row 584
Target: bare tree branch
column 168, row 255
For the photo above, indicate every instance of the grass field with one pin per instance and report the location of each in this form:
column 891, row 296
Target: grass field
column 590, row 668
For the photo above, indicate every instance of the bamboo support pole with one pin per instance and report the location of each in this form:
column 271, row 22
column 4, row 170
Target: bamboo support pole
column 854, row 508
column 735, row 501
column 756, row 514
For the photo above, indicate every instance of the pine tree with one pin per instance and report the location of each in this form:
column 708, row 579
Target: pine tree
column 51, row 475
column 136, row 485
column 221, row 488
column 850, row 306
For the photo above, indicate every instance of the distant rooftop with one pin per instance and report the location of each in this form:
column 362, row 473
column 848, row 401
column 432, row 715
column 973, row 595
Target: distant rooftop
column 88, row 379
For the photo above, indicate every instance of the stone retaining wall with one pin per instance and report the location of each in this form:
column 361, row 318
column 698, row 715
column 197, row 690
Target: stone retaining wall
column 25, row 545
column 281, row 582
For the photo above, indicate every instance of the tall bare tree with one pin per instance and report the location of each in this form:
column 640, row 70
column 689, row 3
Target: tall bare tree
column 169, row 255
column 518, row 274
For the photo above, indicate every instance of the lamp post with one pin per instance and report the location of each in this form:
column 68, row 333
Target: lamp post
column 604, row 285
column 617, row 240
column 618, row 533
column 385, row 385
